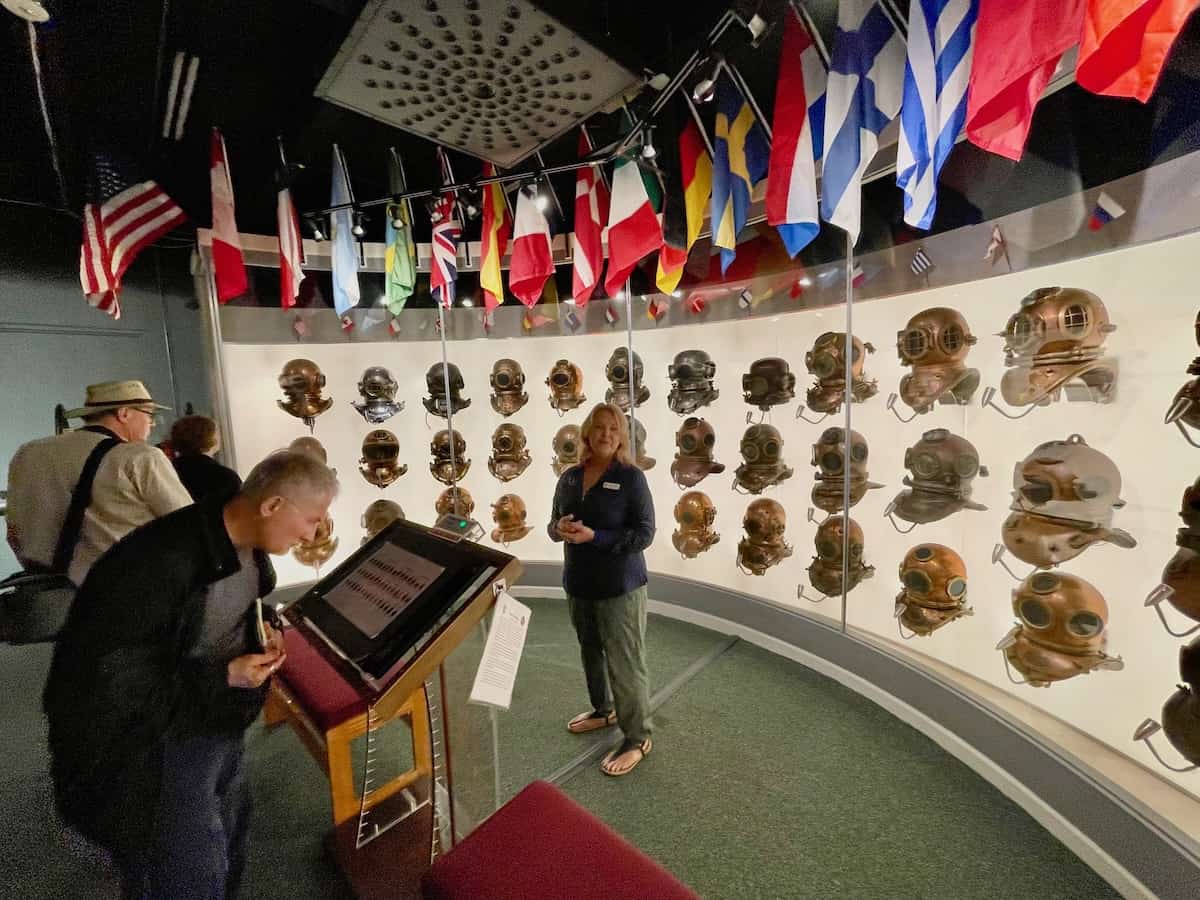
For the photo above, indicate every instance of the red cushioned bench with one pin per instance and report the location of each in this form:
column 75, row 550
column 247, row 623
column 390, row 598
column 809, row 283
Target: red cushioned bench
column 542, row 845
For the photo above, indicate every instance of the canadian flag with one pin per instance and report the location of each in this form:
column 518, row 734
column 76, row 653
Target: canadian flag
column 226, row 245
column 591, row 212
column 531, row 262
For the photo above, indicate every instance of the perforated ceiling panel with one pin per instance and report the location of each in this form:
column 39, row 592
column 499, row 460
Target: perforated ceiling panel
column 498, row 79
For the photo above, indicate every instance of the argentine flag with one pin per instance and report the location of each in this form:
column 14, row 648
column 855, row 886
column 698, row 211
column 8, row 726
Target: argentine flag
column 343, row 245
column 866, row 76
column 941, row 38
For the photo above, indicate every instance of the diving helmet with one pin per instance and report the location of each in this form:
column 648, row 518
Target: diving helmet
column 509, row 457
column 695, row 515
column 943, row 465
column 311, row 446
column 380, row 462
column 435, row 380
column 1063, row 500
column 694, row 443
column 567, row 445
column 762, row 455
column 836, row 462
column 617, row 373
column 1182, row 573
column 692, row 387
column 320, row 549
column 379, row 515
column 1060, row 632
column 1057, row 337
column 935, row 343
column 508, row 383
column 1185, row 408
column 768, row 383
column 825, row 571
column 378, row 391
column 456, row 500
column 440, row 464
column 301, row 381
column 638, row 430
column 566, row 386
column 763, row 546
column 509, row 515
column 933, row 579
column 1181, row 712
column 827, row 360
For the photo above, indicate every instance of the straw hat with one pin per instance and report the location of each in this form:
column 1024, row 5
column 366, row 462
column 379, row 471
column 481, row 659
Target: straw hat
column 112, row 395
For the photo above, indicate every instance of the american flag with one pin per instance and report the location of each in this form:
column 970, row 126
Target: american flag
column 443, row 266
column 120, row 218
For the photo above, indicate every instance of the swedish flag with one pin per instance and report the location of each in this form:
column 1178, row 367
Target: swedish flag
column 741, row 153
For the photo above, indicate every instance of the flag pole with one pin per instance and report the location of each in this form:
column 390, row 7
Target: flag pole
column 629, row 373
column 699, row 124
column 441, row 310
column 814, row 34
column 849, row 376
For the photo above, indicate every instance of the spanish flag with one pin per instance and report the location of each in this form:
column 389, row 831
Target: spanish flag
column 493, row 239
column 692, row 172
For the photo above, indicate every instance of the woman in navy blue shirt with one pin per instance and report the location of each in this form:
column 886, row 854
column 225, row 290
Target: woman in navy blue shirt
column 604, row 513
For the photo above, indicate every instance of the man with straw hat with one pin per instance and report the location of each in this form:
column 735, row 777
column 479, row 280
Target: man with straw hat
column 134, row 484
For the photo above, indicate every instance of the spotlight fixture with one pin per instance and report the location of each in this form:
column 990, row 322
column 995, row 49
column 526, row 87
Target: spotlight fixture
column 34, row 11
column 468, row 302
column 533, row 189
column 648, row 149
column 357, row 228
column 314, row 223
column 435, row 210
column 706, row 88
column 397, row 214
column 470, row 197
column 748, row 13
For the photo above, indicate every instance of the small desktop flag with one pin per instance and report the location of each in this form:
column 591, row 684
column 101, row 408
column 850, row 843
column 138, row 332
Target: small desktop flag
column 858, row 276
column 1106, row 210
column 996, row 247
column 696, row 304
column 572, row 320
column 394, row 326
column 610, row 315
column 347, row 323
column 921, row 263
column 745, row 299
column 657, row 308
column 300, row 327
column 533, row 319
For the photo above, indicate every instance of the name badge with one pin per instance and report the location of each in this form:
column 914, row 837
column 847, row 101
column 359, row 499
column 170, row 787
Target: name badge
column 611, row 486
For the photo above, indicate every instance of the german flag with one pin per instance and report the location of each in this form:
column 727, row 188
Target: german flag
column 689, row 184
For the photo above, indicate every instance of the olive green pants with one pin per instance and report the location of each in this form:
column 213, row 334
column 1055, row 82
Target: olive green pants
column 612, row 644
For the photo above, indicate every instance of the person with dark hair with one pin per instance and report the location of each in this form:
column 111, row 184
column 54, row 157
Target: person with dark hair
column 160, row 669
column 604, row 512
column 194, row 441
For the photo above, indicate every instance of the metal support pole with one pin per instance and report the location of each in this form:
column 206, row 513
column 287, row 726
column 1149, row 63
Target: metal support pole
column 849, row 351
column 441, row 308
column 629, row 373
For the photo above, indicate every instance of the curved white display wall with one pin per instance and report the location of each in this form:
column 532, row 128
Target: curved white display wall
column 1149, row 292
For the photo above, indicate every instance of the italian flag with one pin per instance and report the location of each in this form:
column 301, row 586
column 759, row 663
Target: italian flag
column 531, row 263
column 634, row 230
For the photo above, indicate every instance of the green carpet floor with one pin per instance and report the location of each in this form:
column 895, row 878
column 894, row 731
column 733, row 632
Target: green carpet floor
column 767, row 781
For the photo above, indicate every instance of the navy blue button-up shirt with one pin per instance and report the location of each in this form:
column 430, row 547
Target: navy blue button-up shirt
column 619, row 509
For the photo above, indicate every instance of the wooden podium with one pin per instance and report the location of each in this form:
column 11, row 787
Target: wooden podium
column 367, row 648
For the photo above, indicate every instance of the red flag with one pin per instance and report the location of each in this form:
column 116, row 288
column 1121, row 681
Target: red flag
column 591, row 212
column 1018, row 44
column 291, row 249
column 1126, row 42
column 226, row 245
column 633, row 227
column 531, row 262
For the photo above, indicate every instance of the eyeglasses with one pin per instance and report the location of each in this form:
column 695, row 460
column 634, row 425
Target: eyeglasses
column 153, row 416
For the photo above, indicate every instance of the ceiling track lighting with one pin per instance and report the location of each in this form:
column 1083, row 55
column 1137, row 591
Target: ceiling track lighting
column 314, row 223
column 433, row 205
column 649, row 151
column 35, row 11
column 533, row 190
column 396, row 210
column 358, row 229
column 706, row 88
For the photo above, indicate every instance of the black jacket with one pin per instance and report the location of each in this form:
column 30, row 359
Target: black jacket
column 123, row 674
column 204, row 477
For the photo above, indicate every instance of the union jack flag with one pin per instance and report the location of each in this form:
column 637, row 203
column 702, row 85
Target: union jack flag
column 120, row 218
column 443, row 266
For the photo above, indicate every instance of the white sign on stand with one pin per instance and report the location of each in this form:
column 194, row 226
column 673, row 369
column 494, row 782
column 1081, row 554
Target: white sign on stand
column 501, row 654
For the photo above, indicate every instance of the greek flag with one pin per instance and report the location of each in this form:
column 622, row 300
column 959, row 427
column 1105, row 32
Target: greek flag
column 941, row 36
column 921, row 263
column 863, row 95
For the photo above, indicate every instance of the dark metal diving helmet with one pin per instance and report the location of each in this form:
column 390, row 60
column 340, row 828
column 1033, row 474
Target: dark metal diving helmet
column 1185, row 408
column 935, row 342
column 378, row 391
column 456, row 500
column 933, row 581
column 1055, row 338
column 1060, row 632
column 301, row 381
column 320, row 549
column 827, row 361
column 509, row 456
column 567, row 447
column 566, row 386
column 768, row 383
column 440, row 464
column 509, row 515
column 943, row 465
column 836, row 463
column 695, row 515
column 1182, row 573
column 638, row 431
column 508, row 383
column 437, row 402
column 1181, row 712
column 1064, row 494
column 825, row 571
column 380, row 462
column 763, row 545
column 378, row 516
column 694, row 442
column 762, row 455
column 692, row 387
column 617, row 373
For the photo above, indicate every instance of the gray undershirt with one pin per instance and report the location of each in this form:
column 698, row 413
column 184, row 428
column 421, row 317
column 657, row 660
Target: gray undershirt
column 226, row 603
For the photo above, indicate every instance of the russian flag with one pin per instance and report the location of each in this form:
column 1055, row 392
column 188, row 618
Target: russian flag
column 1106, row 210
